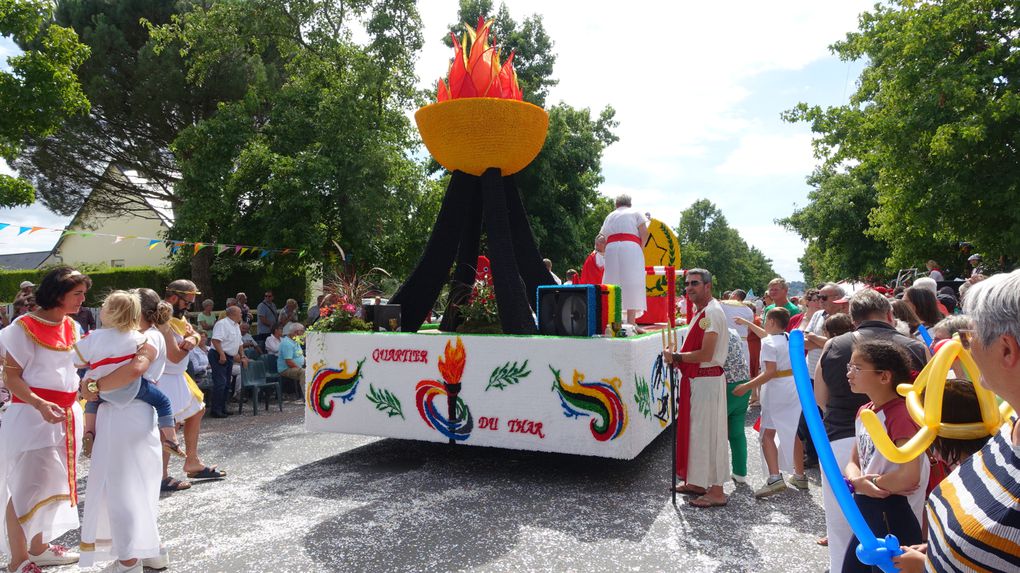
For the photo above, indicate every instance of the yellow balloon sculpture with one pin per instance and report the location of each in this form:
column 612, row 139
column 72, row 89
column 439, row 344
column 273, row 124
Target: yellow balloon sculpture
column 929, row 417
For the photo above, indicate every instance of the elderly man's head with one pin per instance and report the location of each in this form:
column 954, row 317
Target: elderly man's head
column 234, row 313
column 868, row 304
column 600, row 243
column 829, row 294
column 739, row 294
column 294, row 329
column 994, row 306
column 623, row 200
column 927, row 283
column 231, row 302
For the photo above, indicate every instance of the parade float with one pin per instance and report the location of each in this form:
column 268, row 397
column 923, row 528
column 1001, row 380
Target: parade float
column 597, row 393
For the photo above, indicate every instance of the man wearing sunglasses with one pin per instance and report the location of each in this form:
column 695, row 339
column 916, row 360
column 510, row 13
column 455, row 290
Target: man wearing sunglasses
column 702, row 441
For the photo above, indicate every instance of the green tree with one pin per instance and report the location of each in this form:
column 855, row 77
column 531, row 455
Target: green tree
column 836, row 224
column 936, row 119
column 40, row 91
column 707, row 241
column 560, row 187
column 140, row 103
column 316, row 149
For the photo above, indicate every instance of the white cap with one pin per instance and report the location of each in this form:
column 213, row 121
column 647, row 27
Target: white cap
column 974, row 257
column 26, row 284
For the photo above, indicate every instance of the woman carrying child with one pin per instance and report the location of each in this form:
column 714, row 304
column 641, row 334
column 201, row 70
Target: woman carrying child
column 890, row 496
column 123, row 486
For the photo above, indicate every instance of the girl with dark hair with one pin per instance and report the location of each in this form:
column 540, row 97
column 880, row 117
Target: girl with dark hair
column 924, row 304
column 889, row 495
column 41, row 434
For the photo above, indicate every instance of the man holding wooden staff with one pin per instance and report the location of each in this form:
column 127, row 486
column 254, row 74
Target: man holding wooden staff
column 702, row 460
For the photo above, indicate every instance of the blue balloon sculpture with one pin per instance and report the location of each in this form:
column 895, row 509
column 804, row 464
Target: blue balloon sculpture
column 870, row 551
column 926, row 337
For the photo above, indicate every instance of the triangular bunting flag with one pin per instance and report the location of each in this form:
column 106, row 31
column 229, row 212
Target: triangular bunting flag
column 221, row 248
column 173, row 249
column 265, row 253
column 198, row 247
column 34, row 229
column 301, row 254
column 24, row 230
column 237, row 249
column 153, row 243
column 285, row 251
column 244, row 250
column 4, row 226
column 85, row 234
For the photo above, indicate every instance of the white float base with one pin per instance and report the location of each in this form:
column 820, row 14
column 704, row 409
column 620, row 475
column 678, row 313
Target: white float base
column 606, row 402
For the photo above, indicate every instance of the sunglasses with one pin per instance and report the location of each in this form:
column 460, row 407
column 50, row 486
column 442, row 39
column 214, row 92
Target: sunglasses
column 823, row 297
column 692, row 283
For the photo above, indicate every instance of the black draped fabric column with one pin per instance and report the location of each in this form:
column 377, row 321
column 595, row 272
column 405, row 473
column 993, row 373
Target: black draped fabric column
column 529, row 259
column 514, row 310
column 467, row 259
column 417, row 295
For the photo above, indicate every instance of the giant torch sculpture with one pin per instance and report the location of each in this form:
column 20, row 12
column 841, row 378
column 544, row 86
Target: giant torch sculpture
column 481, row 131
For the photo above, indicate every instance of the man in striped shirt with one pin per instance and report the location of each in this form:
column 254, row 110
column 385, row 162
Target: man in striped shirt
column 974, row 514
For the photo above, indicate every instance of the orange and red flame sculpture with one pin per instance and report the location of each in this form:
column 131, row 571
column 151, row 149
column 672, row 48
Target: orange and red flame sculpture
column 480, row 119
column 482, row 131
column 476, row 71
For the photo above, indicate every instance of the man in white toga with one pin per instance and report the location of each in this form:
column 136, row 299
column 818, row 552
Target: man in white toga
column 626, row 231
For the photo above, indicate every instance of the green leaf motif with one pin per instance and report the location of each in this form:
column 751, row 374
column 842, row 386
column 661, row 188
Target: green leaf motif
column 642, row 396
column 507, row 375
column 385, row 401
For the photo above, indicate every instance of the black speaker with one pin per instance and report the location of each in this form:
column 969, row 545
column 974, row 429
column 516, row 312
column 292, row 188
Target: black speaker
column 384, row 317
column 570, row 310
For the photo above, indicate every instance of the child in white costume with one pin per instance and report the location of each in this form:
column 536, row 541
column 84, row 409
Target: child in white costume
column 104, row 350
column 780, row 408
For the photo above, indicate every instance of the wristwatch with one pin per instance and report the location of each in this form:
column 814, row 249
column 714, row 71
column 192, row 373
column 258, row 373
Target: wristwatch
column 93, row 386
column 874, row 481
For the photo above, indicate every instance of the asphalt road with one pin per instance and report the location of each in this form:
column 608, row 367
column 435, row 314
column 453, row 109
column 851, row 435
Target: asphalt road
column 295, row 501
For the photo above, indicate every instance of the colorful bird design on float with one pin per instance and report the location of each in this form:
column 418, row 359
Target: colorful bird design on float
column 329, row 384
column 456, row 425
column 601, row 399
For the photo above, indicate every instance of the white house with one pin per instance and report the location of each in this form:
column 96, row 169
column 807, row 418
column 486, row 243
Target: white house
column 151, row 220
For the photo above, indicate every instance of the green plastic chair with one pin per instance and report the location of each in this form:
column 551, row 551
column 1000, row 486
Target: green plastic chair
column 254, row 381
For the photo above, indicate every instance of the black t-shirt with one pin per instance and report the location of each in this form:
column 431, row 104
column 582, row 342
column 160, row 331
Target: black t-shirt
column 843, row 404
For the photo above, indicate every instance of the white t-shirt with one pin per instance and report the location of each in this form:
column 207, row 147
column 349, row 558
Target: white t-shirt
column 105, row 344
column 229, row 334
column 623, row 220
column 273, row 345
column 815, row 326
column 735, row 309
column 776, row 348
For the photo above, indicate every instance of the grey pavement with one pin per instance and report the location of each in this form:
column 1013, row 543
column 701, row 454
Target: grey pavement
column 295, row 501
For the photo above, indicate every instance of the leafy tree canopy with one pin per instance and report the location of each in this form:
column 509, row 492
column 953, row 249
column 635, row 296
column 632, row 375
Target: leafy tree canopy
column 934, row 128
column 40, row 90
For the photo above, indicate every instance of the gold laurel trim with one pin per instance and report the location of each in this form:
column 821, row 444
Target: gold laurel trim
column 51, row 499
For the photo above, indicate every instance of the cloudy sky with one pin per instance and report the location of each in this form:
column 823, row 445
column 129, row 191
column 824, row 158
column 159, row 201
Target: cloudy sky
column 698, row 89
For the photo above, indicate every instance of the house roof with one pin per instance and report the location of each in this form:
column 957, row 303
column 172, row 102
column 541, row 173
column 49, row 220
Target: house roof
column 23, row 261
column 161, row 207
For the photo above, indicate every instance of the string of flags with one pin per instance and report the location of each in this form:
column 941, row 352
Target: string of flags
column 173, row 245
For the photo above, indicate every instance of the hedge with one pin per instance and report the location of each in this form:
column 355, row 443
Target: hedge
column 156, row 278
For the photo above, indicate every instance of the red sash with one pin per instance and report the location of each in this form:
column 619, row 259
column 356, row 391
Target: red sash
column 623, row 238
column 693, row 341
column 65, row 400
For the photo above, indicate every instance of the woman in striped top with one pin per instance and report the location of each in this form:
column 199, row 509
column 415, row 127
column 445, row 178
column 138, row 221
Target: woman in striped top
column 974, row 514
